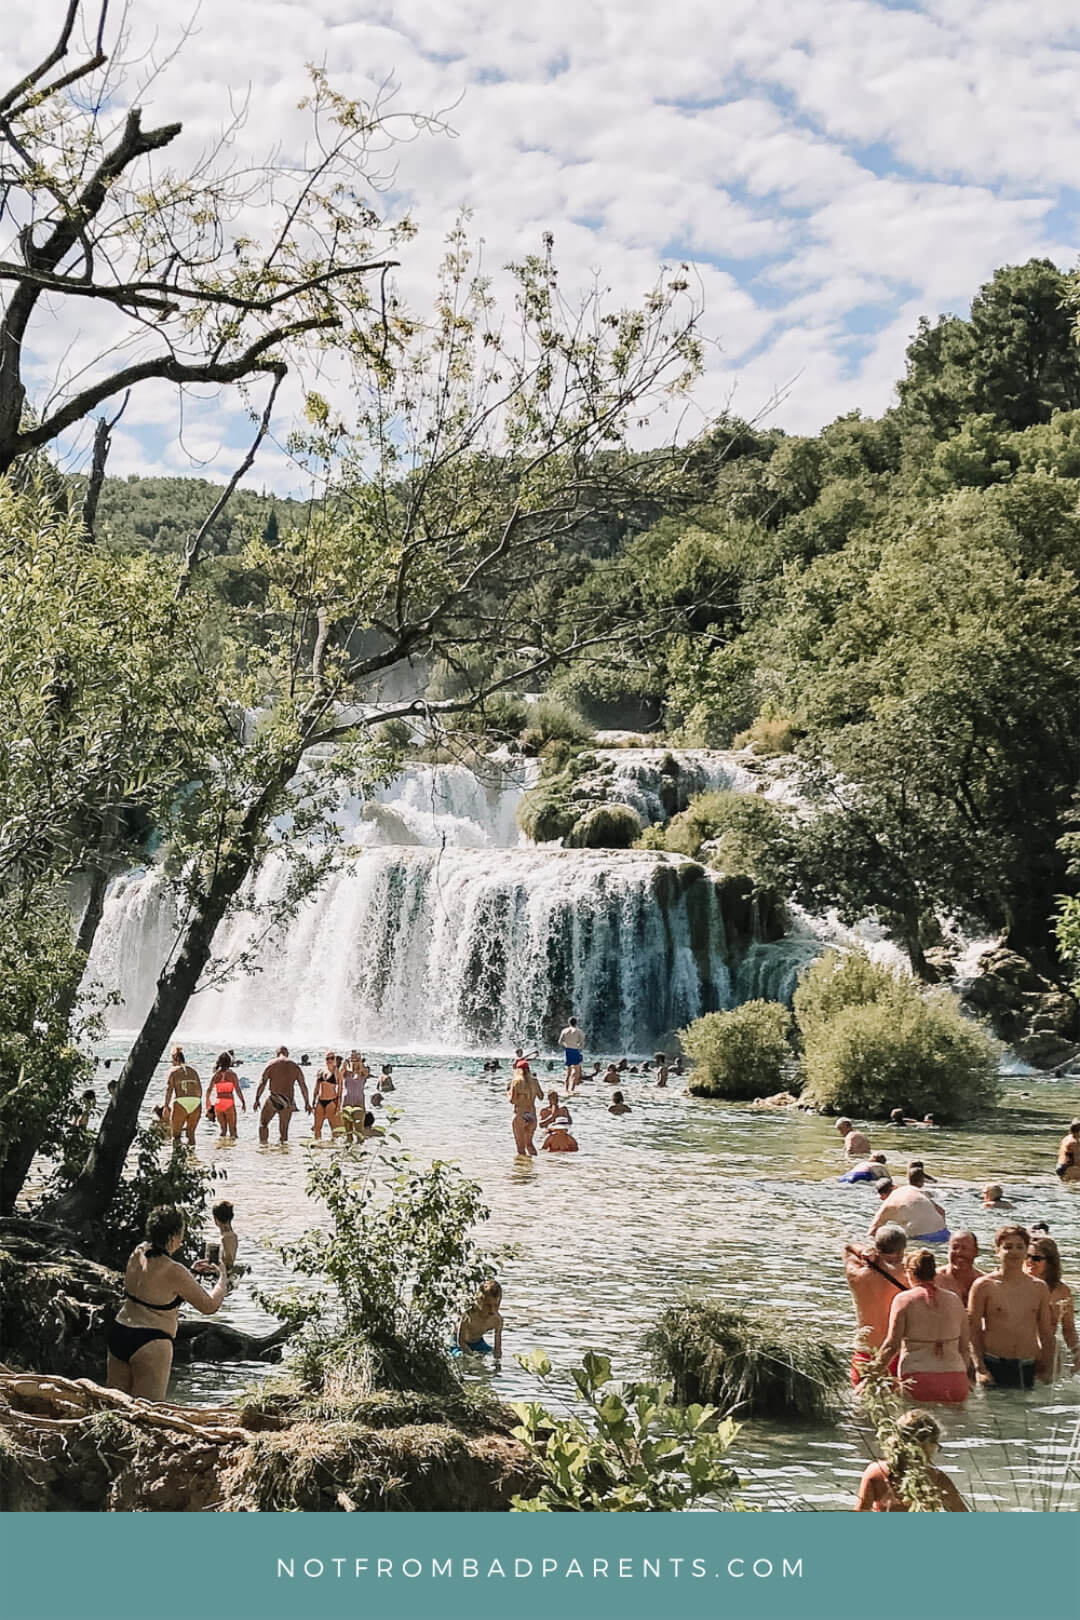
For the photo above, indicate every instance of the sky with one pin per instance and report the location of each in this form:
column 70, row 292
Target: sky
column 833, row 169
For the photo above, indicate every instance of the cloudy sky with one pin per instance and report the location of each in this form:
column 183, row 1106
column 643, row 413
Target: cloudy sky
column 834, row 168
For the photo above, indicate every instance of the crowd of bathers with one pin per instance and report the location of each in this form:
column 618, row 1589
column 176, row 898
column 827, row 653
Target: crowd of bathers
column 942, row 1330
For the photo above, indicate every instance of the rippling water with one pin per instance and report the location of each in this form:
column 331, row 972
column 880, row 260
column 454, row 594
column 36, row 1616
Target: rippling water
column 680, row 1194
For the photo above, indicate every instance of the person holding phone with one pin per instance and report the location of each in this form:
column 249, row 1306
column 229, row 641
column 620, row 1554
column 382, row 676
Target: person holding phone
column 140, row 1340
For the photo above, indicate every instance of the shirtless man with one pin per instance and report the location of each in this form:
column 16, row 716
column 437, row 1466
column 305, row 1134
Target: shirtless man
column 910, row 1208
column 1012, row 1319
column 184, row 1092
column 572, row 1041
column 282, row 1076
column 1068, row 1159
column 856, row 1143
column 875, row 1274
column 961, row 1274
column 524, row 1092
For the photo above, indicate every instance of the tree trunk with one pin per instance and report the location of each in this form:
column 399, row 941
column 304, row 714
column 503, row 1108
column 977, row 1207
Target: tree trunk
column 93, row 1191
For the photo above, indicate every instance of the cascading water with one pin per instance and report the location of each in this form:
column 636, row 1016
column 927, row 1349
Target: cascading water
column 442, row 928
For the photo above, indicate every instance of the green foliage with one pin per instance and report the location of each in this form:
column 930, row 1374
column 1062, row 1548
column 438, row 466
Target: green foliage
column 741, row 1053
column 608, row 826
column 873, row 1041
column 910, row 1471
column 770, row 734
column 395, row 1270
column 552, row 720
column 1067, row 929
column 750, row 1364
column 740, row 834
column 632, row 1451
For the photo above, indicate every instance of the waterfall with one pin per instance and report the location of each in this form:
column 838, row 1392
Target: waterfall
column 442, row 928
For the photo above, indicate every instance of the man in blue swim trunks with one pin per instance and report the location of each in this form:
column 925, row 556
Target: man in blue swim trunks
column 572, row 1041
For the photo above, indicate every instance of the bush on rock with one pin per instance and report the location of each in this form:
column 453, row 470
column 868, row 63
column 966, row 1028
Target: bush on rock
column 739, row 1054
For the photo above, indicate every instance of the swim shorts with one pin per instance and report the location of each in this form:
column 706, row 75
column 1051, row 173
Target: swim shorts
column 1010, row 1372
column 857, row 1175
column 861, row 1360
column 573, row 1056
column 931, row 1237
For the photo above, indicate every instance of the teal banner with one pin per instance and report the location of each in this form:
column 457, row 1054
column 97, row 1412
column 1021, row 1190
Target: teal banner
column 532, row 1567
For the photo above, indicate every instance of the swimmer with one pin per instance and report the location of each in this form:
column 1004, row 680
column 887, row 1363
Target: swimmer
column 913, row 1210
column 611, row 1076
column 524, row 1092
column 572, row 1041
column 961, row 1274
column 140, row 1341
column 522, row 1058
column 872, row 1169
column 618, row 1105
column 554, row 1112
column 327, row 1095
column 223, row 1214
column 1012, row 1319
column 1068, row 1159
column 282, row 1076
column 87, row 1104
column 918, row 1175
column 184, row 1090
column 875, row 1275
column 661, row 1070
column 484, row 1317
column 370, row 1127
column 994, row 1197
column 376, row 1100
column 916, row 1439
column 856, row 1143
column 386, row 1078
column 622, row 1065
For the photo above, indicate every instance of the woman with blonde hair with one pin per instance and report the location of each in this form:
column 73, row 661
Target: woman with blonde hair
column 908, row 1464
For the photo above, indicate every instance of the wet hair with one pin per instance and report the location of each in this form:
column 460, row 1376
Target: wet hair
column 923, row 1265
column 890, row 1238
column 658, row 1057
column 304, row 1059
column 885, row 1185
column 993, row 1190
column 916, row 1175
column 1039, row 1226
column 223, row 1212
column 1004, row 1232
column 88, row 1097
column 376, row 1099
column 178, row 1055
column 1049, row 1251
column 878, row 1158
column 616, row 1096
column 164, row 1222
column 224, row 1061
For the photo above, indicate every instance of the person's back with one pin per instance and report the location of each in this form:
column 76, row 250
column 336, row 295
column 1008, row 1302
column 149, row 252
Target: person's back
column 913, row 1210
column 934, row 1321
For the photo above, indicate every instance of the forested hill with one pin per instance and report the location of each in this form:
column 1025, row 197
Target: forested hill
column 159, row 514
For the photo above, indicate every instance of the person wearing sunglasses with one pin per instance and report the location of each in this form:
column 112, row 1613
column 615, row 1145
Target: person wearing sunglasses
column 1044, row 1261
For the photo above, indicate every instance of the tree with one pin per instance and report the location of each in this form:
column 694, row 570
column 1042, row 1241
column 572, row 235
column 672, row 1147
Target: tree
column 94, row 219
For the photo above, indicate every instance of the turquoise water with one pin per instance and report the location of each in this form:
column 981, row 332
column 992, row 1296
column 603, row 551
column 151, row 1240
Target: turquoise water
column 683, row 1194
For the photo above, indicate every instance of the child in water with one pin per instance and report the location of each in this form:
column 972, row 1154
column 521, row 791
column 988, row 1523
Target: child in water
column 223, row 1213
column 484, row 1318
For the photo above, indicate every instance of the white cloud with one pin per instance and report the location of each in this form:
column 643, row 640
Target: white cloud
column 813, row 158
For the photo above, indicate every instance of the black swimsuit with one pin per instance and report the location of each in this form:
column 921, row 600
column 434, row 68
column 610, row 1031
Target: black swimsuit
column 123, row 1341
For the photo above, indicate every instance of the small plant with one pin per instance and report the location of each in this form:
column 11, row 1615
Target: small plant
column 741, row 1363
column 396, row 1270
column 608, row 826
column 632, row 1452
column 741, row 1053
column 911, row 1474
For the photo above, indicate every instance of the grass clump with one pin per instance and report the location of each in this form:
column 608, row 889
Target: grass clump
column 739, row 1054
column 751, row 1366
column 874, row 1041
column 609, row 826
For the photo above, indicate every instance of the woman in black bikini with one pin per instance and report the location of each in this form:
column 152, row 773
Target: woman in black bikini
column 328, row 1084
column 140, row 1341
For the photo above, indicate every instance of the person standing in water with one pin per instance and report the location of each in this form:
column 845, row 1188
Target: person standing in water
column 961, row 1274
column 282, row 1076
column 1068, row 1159
column 875, row 1274
column 928, row 1326
column 327, row 1095
column 140, row 1341
column 572, row 1041
column 1012, row 1319
column 184, row 1091
column 524, row 1092
column 224, row 1090
column 353, row 1104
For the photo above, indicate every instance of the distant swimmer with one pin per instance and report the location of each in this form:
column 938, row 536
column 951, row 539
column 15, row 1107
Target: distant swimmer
column 282, row 1076
column 872, row 1169
column 856, row 1143
column 386, row 1078
column 875, row 1274
column 522, row 1059
column 611, row 1075
column 524, row 1092
column 556, row 1121
column 994, row 1197
column 961, row 1274
column 1012, row 1319
column 1068, row 1159
column 618, row 1104
column 661, row 1070
column 554, row 1112
column 184, row 1090
column 572, row 1041
column 911, row 1209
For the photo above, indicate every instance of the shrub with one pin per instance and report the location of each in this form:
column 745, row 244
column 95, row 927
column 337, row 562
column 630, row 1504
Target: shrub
column 551, row 720
column 739, row 1054
column 609, row 826
column 748, row 1364
column 745, row 835
column 836, row 980
column 545, row 813
column 396, row 1269
column 897, row 1048
column 770, row 734
column 632, row 1452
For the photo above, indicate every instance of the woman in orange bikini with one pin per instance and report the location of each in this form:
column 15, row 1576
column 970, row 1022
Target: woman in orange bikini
column 328, row 1095
column 224, row 1089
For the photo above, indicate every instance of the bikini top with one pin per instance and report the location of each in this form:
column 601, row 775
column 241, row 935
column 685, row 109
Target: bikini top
column 225, row 1082
column 146, row 1305
column 323, row 1080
